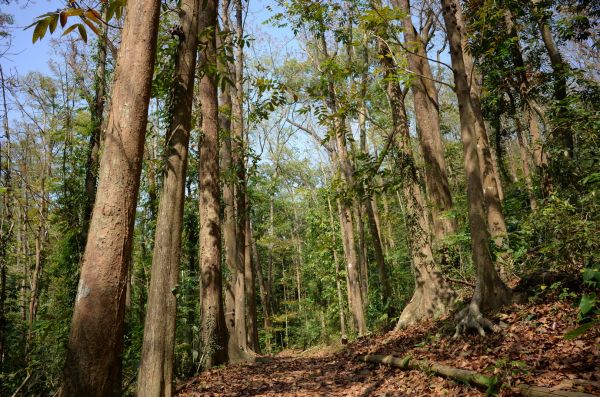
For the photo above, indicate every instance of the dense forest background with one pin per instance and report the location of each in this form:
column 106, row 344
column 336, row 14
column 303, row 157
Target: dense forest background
column 389, row 163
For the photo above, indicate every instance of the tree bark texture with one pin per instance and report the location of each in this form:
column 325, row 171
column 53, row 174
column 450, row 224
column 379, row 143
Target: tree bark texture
column 7, row 223
column 490, row 180
column 355, row 296
column 525, row 162
column 559, row 70
column 155, row 377
column 249, row 275
column 264, row 297
column 238, row 159
column 432, row 296
column 530, row 105
column 97, row 111
column 425, row 97
column 490, row 291
column 214, row 332
column 342, row 310
column 93, row 363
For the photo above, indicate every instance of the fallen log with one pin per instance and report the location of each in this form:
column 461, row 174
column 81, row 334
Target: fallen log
column 464, row 375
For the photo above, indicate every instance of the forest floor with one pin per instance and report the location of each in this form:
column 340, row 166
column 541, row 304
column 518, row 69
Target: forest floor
column 530, row 348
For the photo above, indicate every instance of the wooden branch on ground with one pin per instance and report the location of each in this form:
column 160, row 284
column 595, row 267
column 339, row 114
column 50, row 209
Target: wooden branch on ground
column 454, row 280
column 16, row 393
column 464, row 375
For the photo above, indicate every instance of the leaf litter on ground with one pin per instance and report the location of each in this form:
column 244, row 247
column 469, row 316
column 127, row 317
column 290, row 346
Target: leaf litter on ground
column 530, row 348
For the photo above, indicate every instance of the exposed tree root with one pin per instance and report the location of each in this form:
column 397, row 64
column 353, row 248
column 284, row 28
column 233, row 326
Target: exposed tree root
column 238, row 355
column 464, row 375
column 471, row 318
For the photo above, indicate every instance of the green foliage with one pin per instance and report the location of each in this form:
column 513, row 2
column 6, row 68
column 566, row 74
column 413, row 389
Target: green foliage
column 89, row 17
column 589, row 305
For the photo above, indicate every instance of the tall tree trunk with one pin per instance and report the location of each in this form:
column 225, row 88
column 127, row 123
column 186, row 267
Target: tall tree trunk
column 525, row 162
column 338, row 127
column 229, row 220
column 238, row 158
column 155, row 377
column 388, row 223
column 490, row 292
column 214, row 330
column 530, row 105
column 425, row 97
column 433, row 296
column 229, row 223
column 251, row 319
column 264, row 298
column 93, row 366
column 97, row 111
column 490, row 180
column 342, row 310
column 271, row 252
column 352, row 272
column 35, row 278
column 297, row 257
column 384, row 274
column 559, row 71
column 375, row 209
column 7, row 223
column 363, row 264
column 367, row 202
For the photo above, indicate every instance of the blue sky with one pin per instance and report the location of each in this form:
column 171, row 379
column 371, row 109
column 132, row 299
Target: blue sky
column 25, row 56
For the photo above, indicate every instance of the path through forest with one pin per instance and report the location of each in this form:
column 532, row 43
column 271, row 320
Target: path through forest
column 325, row 375
column 529, row 349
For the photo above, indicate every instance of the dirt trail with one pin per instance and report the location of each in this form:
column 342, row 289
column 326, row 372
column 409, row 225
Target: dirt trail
column 530, row 349
column 330, row 375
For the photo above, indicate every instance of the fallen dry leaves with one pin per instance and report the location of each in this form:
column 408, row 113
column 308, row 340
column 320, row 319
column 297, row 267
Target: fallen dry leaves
column 530, row 348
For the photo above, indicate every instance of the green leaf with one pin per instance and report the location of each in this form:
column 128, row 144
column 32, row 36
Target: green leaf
column 70, row 29
column 53, row 22
column 580, row 330
column 40, row 30
column 82, row 33
column 591, row 275
column 587, row 304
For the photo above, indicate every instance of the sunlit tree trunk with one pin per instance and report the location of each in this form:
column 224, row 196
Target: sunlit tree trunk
column 559, row 70
column 270, row 263
column 355, row 295
column 93, row 363
column 40, row 243
column 525, row 162
column 530, row 105
column 490, row 291
column 264, row 298
column 361, row 250
column 341, row 309
column 249, row 274
column 214, row 331
column 238, row 158
column 97, row 111
column 369, row 206
column 391, row 241
column 6, row 222
column 432, row 296
column 425, row 97
column 228, row 171
column 490, row 180
column 155, row 377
